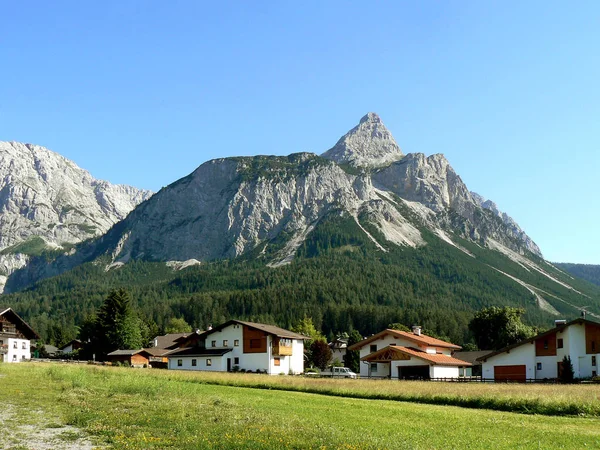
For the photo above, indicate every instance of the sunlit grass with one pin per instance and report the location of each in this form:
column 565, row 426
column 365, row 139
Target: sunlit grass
column 140, row 409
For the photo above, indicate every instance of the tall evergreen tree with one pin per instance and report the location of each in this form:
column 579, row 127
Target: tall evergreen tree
column 117, row 327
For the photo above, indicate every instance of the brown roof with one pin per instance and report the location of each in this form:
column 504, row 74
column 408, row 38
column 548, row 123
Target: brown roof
column 558, row 329
column 155, row 351
column 422, row 339
column 168, row 339
column 435, row 359
column 270, row 329
column 25, row 328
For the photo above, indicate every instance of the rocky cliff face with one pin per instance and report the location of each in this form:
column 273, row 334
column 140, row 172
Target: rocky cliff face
column 48, row 203
column 233, row 206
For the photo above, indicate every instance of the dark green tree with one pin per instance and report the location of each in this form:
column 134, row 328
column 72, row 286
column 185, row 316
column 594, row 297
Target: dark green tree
column 495, row 327
column 117, row 327
column 352, row 357
column 398, row 326
column 567, row 374
column 320, row 354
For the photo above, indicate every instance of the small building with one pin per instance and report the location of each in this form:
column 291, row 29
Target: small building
column 238, row 345
column 338, row 348
column 15, row 337
column 133, row 358
column 471, row 357
column 541, row 357
column 407, row 356
column 157, row 357
column 71, row 346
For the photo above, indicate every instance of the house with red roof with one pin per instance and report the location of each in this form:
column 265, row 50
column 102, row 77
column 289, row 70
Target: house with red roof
column 15, row 337
column 407, row 355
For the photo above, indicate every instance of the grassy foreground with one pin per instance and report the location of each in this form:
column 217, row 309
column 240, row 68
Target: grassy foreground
column 128, row 408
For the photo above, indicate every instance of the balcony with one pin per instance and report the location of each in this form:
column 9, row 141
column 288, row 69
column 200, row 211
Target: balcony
column 282, row 350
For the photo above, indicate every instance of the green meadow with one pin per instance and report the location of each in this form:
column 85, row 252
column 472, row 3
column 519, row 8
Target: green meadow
column 133, row 408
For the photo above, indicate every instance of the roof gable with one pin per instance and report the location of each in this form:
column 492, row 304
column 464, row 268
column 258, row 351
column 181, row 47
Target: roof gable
column 433, row 359
column 269, row 329
column 421, row 339
column 22, row 326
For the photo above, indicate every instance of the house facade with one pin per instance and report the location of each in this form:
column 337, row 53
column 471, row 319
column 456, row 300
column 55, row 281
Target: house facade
column 238, row 345
column 15, row 337
column 407, row 355
column 133, row 358
column 541, row 356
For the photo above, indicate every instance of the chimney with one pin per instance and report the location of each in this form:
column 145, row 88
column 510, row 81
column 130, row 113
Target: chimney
column 417, row 330
column 209, row 327
column 560, row 322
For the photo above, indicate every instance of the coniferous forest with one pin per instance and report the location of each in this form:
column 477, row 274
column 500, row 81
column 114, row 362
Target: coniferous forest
column 339, row 278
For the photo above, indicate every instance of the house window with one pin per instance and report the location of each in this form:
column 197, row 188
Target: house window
column 179, row 362
column 373, row 367
column 559, row 343
column 225, row 343
column 23, row 358
column 277, row 361
column 213, row 343
column 15, row 345
column 254, row 343
column 236, row 343
column 373, row 348
column 209, row 362
column 594, row 360
column 236, row 361
column 194, row 363
column 546, row 344
column 14, row 357
column 539, row 366
column 24, row 346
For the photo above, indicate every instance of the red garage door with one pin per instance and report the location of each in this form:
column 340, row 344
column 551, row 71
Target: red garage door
column 509, row 373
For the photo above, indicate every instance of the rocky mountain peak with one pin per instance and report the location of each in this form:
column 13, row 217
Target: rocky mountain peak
column 369, row 145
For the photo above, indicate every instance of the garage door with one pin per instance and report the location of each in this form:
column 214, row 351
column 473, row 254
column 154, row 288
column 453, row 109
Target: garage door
column 510, row 373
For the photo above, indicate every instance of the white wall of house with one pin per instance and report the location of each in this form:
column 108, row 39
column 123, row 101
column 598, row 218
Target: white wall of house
column 540, row 367
column 338, row 354
column 383, row 370
column 18, row 350
column 227, row 338
column 522, row 355
column 444, row 372
column 218, row 363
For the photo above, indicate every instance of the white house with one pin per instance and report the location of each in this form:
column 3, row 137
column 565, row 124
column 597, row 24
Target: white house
column 71, row 346
column 238, row 345
column 406, row 355
column 541, row 356
column 15, row 337
column 338, row 348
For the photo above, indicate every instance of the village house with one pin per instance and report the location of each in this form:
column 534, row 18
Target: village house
column 71, row 346
column 541, row 357
column 238, row 345
column 407, row 355
column 132, row 358
column 338, row 348
column 15, row 337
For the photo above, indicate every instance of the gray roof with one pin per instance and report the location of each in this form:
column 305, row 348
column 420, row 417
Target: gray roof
column 472, row 356
column 168, row 339
column 125, row 352
column 198, row 351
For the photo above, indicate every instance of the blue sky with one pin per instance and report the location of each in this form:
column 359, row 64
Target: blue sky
column 143, row 92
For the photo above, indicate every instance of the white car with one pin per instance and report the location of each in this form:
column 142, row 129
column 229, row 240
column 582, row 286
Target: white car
column 338, row 372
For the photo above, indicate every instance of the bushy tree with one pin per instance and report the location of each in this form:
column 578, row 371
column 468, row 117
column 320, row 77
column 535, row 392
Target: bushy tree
column 398, row 326
column 177, row 325
column 495, row 327
column 352, row 357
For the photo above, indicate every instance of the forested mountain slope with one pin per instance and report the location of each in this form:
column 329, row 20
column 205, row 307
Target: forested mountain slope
column 359, row 237
column 588, row 272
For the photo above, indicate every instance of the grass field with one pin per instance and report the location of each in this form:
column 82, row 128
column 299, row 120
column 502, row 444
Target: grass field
column 127, row 408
